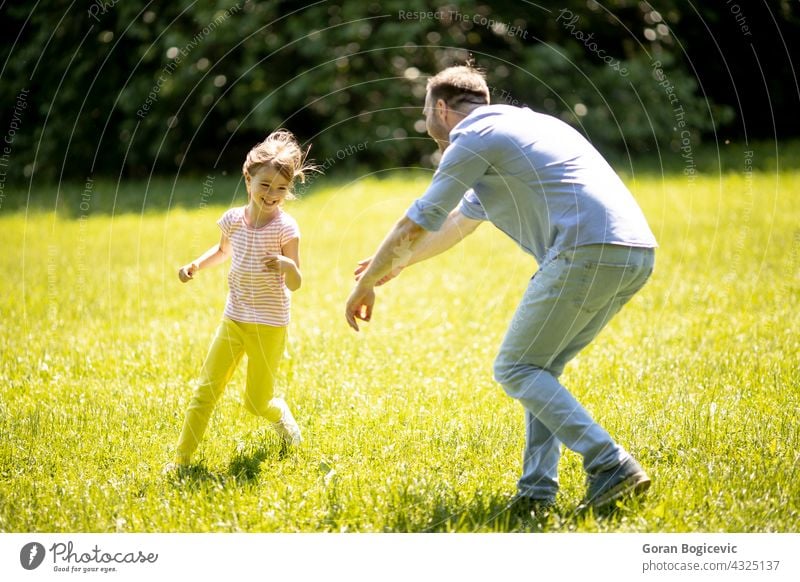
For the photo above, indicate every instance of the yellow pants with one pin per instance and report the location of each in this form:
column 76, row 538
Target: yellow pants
column 264, row 347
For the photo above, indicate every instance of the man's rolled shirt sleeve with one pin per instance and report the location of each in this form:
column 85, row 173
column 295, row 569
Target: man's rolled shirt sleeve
column 462, row 164
column 471, row 207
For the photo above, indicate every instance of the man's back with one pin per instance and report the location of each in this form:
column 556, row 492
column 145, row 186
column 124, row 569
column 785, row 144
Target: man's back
column 539, row 181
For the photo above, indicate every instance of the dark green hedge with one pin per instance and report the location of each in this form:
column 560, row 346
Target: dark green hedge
column 122, row 89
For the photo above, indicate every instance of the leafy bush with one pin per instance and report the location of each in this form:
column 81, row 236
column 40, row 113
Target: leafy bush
column 120, row 90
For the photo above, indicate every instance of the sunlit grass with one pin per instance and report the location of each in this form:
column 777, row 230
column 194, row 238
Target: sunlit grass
column 405, row 429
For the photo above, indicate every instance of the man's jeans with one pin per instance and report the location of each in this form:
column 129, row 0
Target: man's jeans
column 568, row 301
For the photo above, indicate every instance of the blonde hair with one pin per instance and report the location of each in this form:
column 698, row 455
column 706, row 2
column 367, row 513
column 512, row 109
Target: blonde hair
column 282, row 151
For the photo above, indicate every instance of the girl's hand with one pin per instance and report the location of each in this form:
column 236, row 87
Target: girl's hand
column 362, row 266
column 186, row 273
column 279, row 263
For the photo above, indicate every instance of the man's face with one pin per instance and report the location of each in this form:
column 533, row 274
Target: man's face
column 435, row 125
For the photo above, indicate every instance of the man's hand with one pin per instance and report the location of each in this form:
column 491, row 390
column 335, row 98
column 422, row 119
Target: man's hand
column 396, row 250
column 362, row 266
column 186, row 273
column 359, row 305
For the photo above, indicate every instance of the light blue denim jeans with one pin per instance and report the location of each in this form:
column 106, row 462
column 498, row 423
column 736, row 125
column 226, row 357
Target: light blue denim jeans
column 568, row 301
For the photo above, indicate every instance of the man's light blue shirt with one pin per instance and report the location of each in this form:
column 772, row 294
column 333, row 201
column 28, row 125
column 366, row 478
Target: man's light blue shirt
column 535, row 178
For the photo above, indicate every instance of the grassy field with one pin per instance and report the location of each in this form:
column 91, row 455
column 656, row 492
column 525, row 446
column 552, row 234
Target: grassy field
column 405, row 429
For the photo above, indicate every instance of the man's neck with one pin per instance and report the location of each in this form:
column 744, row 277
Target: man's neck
column 470, row 108
column 461, row 113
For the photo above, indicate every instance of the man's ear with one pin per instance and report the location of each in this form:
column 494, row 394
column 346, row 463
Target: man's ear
column 441, row 109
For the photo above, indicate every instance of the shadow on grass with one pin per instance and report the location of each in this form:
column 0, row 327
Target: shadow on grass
column 104, row 196
column 484, row 513
column 500, row 514
column 243, row 468
column 222, row 188
column 246, row 467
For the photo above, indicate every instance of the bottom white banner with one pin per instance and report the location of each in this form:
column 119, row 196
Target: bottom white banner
column 388, row 557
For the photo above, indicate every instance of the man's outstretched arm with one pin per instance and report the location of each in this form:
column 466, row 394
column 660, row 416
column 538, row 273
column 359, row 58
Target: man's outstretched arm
column 455, row 228
column 395, row 251
column 407, row 242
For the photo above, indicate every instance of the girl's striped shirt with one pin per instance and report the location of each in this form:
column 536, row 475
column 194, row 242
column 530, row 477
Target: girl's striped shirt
column 254, row 294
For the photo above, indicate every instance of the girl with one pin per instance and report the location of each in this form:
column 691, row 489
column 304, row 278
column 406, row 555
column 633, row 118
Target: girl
column 263, row 242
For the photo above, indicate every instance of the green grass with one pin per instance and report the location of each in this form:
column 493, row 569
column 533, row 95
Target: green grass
column 405, row 429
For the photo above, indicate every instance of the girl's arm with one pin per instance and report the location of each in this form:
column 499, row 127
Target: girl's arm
column 287, row 264
column 213, row 256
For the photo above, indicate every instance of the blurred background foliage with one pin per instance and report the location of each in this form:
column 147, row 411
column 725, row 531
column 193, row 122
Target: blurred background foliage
column 132, row 89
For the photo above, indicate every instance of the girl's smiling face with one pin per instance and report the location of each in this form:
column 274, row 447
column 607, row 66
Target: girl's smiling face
column 267, row 188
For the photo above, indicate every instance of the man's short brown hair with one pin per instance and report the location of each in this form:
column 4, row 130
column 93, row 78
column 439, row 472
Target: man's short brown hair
column 459, row 85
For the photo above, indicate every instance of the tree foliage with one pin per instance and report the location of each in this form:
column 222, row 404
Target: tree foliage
column 117, row 88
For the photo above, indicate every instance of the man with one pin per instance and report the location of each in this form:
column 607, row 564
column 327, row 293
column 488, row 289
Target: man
column 544, row 185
